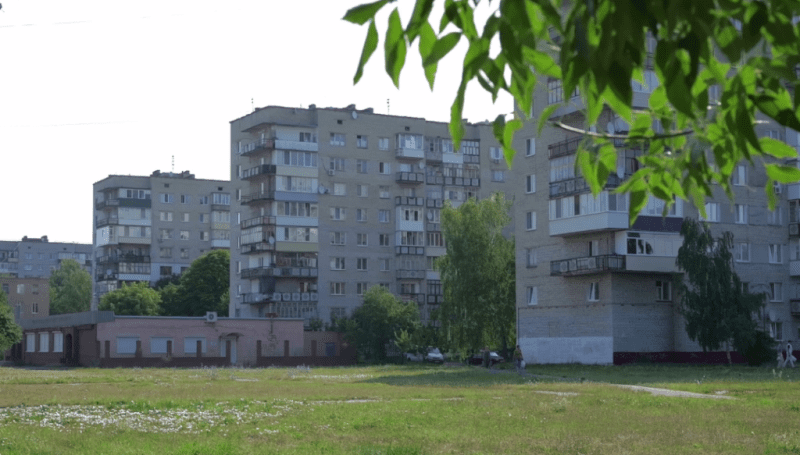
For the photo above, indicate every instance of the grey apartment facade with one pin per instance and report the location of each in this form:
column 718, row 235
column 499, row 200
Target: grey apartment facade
column 150, row 227
column 39, row 257
column 331, row 201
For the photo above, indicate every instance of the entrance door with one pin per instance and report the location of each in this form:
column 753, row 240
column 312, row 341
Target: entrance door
column 230, row 345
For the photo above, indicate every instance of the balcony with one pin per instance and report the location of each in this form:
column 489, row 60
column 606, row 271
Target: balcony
column 595, row 222
column 794, row 229
column 578, row 185
column 414, row 250
column 295, row 297
column 256, row 248
column 587, row 265
column 295, row 272
column 116, row 259
column 107, row 221
column 262, row 145
column 107, row 276
column 417, row 298
column 409, row 152
column 435, row 299
column 795, row 307
column 221, row 243
column 253, row 298
column 403, row 274
column 412, row 201
column 434, row 203
column 462, row 181
column 472, row 159
column 100, row 205
column 257, row 272
column 256, row 197
column 564, row 148
column 794, row 268
column 434, row 179
column 793, row 191
column 263, row 169
column 433, row 156
column 410, row 177
column 302, row 146
column 258, row 221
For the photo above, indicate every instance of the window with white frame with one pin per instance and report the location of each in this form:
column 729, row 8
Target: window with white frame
column 361, row 190
column 58, row 342
column 338, row 213
column 30, row 342
column 430, row 262
column 361, row 141
column 337, row 139
column 44, row 341
column 337, row 164
column 383, row 143
column 775, row 253
column 361, row 239
column 532, row 295
column 496, row 153
column 530, row 183
column 165, row 216
column 775, row 292
column 361, row 288
column 774, row 217
column 794, row 249
column 167, row 198
column 361, row 214
column 337, row 288
column 712, row 212
column 385, row 168
column 126, row 345
column 383, row 240
column 203, row 200
column 776, row 330
column 384, row 192
column 741, row 252
column 339, row 189
column 385, row 264
column 338, row 238
column 530, row 257
column 498, row 176
column 190, row 345
column 740, row 213
column 530, row 221
column 297, row 158
column 158, row 345
column 530, row 146
column 337, row 263
column 383, row 216
column 663, row 290
column 204, row 236
column 361, row 166
column 307, row 137
column 165, row 252
column 184, row 235
column 739, row 175
column 361, row 264
column 594, row 292
column 185, row 199
column 185, row 217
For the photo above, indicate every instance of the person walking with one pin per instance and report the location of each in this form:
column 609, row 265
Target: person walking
column 789, row 357
column 518, row 360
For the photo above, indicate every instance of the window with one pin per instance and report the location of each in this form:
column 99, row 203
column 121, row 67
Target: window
column 126, row 345
column 58, row 342
column 166, row 198
column 361, row 288
column 775, row 254
column 337, row 139
column 435, row 239
column 20, row 289
column 385, row 265
column 774, row 217
column 498, row 176
column 204, row 236
column 712, row 212
column 185, row 217
column 742, row 252
column 184, row 253
column 555, row 91
column 184, row 235
column 361, row 141
column 532, row 295
column 530, row 184
column 30, row 342
column 740, row 213
column 383, row 143
column 338, row 238
column 594, row 292
column 299, row 234
column 158, row 345
column 301, row 209
column 384, row 192
column 165, row 253
column 190, row 345
column 339, row 189
column 530, row 221
column 496, row 153
column 203, row 218
column 385, row 168
column 430, row 262
column 337, row 164
column 361, row 214
column 530, row 146
column 383, row 216
column 221, row 217
column 337, row 263
column 530, row 257
column 361, row 190
column 383, row 239
column 775, row 292
column 664, row 291
column 44, row 341
column 361, row 239
column 337, row 288
column 185, row 199
column 739, row 176
column 361, row 264
column 203, row 200
column 308, row 137
column 338, row 213
column 776, row 330
column 165, row 216
column 298, row 159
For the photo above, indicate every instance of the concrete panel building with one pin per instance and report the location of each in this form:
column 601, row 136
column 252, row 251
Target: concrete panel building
column 29, row 298
column 150, row 227
column 38, row 257
column 331, row 201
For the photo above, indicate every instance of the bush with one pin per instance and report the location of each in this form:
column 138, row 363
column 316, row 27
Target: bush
column 760, row 349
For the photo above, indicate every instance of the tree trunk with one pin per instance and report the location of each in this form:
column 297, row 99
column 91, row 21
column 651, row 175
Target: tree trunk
column 728, row 352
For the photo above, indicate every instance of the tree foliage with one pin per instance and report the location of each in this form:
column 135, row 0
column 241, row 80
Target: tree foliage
column 375, row 323
column 202, row 287
column 70, row 289
column 749, row 49
column 477, row 274
column 10, row 332
column 718, row 311
column 132, row 299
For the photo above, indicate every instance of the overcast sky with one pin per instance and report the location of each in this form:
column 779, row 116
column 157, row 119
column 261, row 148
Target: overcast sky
column 92, row 88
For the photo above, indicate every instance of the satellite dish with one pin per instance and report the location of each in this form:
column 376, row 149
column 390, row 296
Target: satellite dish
column 430, row 216
column 621, row 125
column 421, row 165
column 610, row 128
column 321, row 189
column 354, row 114
column 271, row 240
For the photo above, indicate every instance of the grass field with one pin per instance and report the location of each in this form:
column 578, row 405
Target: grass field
column 417, row 409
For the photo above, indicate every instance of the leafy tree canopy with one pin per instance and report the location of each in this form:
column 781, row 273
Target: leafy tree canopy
column 70, row 289
column 749, row 49
column 477, row 274
column 718, row 311
column 10, row 332
column 135, row 299
column 375, row 323
column 202, row 287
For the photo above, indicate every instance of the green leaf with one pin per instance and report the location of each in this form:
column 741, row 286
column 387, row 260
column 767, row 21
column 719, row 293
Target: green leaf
column 544, row 117
column 370, row 44
column 638, row 202
column 441, row 48
column 779, row 107
column 777, row 148
column 456, row 117
column 542, row 62
column 783, row 174
column 363, row 13
column 422, row 9
column 427, row 38
column 395, row 48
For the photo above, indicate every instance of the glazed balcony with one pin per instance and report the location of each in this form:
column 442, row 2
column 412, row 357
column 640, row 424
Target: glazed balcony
column 587, row 265
column 256, row 248
column 260, row 170
column 413, row 250
column 295, row 297
column 258, row 221
column 462, row 181
column 564, row 148
column 105, row 221
column 411, row 201
column 117, row 258
column 405, row 274
column 262, row 196
column 410, row 177
column 578, row 185
column 434, row 203
column 259, row 146
column 254, row 298
column 418, row 298
column 435, row 299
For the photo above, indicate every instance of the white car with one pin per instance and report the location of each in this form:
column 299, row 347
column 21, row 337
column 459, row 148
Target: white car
column 433, row 355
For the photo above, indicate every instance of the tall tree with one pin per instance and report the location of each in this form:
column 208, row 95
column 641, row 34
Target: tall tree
column 375, row 323
column 10, row 332
column 202, row 287
column 718, row 311
column 135, row 299
column 597, row 48
column 70, row 289
column 477, row 274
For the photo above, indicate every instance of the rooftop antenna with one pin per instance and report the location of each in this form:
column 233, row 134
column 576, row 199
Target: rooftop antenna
column 388, row 108
column 173, row 164
column 252, row 104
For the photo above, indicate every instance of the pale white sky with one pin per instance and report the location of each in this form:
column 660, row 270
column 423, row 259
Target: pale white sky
column 97, row 87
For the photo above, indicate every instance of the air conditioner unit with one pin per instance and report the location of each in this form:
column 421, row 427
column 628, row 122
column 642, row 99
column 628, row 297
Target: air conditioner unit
column 211, row 316
column 295, row 297
column 563, row 267
column 304, row 297
column 331, row 172
column 287, row 296
column 777, row 186
column 276, row 296
column 794, row 229
column 591, row 263
column 312, row 287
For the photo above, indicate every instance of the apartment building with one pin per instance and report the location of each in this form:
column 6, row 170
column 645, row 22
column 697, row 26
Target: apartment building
column 38, row 257
column 150, row 227
column 331, row 201
column 593, row 289
column 29, row 298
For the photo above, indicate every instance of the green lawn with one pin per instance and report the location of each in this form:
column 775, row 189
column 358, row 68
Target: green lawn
column 416, row 409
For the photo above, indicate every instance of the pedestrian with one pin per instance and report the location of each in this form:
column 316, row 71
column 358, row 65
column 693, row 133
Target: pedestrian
column 518, row 360
column 780, row 356
column 789, row 357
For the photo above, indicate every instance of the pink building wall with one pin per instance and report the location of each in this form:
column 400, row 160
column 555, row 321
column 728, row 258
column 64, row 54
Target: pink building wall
column 273, row 334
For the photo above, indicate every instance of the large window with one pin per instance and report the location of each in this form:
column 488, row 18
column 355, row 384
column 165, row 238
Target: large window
column 30, row 342
column 299, row 159
column 338, row 238
column 58, row 342
column 302, row 209
column 337, row 139
column 663, row 290
column 338, row 213
column 158, row 345
column 337, row 263
column 190, row 345
column 300, row 234
column 775, row 254
column 44, row 341
column 337, row 288
column 126, row 345
column 741, row 252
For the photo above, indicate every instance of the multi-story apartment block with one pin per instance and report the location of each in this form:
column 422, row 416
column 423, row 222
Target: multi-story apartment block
column 150, row 227
column 38, row 257
column 593, row 289
column 329, row 202
column 29, row 297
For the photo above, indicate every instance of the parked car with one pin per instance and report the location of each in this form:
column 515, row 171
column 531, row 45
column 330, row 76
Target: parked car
column 433, row 355
column 494, row 358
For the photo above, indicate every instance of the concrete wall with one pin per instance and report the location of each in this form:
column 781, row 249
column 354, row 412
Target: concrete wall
column 567, row 334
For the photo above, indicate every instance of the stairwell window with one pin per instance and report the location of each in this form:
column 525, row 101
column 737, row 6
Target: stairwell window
column 741, row 252
column 775, row 292
column 532, row 295
column 664, row 291
column 530, row 221
column 775, row 254
column 530, row 146
column 739, row 176
column 530, row 184
column 740, row 213
column 594, row 292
